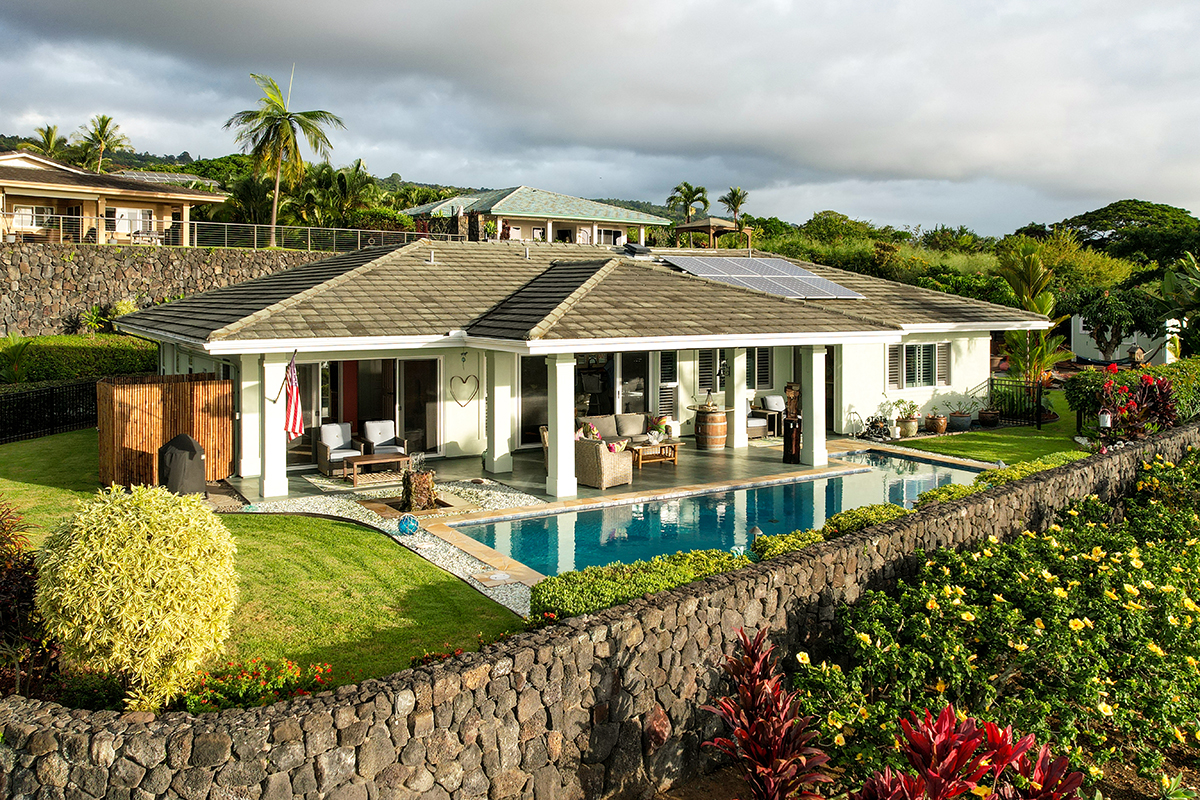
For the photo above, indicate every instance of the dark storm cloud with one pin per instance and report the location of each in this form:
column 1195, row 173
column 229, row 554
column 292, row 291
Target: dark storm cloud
column 933, row 111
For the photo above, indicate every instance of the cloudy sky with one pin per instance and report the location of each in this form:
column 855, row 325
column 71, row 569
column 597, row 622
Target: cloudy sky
column 989, row 114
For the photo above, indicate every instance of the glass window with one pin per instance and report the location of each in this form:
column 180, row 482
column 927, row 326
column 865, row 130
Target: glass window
column 917, row 365
column 635, row 375
column 31, row 216
column 534, row 387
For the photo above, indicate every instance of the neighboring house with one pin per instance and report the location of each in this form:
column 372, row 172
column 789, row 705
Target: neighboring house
column 1084, row 346
column 471, row 346
column 535, row 215
column 44, row 200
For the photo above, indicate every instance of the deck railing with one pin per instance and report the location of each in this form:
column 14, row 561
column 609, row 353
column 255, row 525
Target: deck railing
column 65, row 229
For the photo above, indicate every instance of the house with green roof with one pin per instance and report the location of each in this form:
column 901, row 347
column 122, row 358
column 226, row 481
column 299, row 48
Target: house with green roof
column 521, row 213
column 470, row 348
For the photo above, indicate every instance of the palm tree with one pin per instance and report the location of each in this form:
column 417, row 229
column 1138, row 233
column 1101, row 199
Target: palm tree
column 101, row 134
column 685, row 198
column 269, row 134
column 48, row 142
column 733, row 200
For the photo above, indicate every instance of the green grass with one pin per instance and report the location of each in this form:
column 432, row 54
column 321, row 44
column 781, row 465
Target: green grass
column 319, row 591
column 45, row 477
column 1009, row 445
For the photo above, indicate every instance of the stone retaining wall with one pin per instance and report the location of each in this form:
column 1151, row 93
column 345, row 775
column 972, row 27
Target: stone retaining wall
column 604, row 706
column 46, row 285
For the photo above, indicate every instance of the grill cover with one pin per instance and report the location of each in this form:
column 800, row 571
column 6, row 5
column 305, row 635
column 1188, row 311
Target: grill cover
column 181, row 466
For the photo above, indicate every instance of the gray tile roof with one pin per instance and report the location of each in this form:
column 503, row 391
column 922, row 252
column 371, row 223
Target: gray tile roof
column 524, row 201
column 93, row 181
column 557, row 291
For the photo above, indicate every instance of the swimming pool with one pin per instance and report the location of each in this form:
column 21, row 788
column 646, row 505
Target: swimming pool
column 561, row 542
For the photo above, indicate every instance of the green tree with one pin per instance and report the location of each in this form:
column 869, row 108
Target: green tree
column 329, row 196
column 269, row 134
column 48, row 143
column 101, row 135
column 733, row 200
column 1112, row 314
column 248, row 199
column 1031, row 353
column 1181, row 300
column 685, row 197
column 830, row 227
column 1109, row 225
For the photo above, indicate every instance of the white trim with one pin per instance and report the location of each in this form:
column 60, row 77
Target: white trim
column 955, row 327
column 19, row 187
column 332, row 344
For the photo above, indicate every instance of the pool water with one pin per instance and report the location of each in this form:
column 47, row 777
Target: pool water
column 561, row 542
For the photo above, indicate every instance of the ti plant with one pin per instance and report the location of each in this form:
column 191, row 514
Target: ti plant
column 953, row 757
column 769, row 740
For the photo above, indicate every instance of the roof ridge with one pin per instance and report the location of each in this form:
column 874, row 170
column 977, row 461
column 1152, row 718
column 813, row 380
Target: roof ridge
column 283, row 305
column 560, row 310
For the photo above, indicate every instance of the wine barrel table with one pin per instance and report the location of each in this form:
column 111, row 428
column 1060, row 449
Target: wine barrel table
column 711, row 428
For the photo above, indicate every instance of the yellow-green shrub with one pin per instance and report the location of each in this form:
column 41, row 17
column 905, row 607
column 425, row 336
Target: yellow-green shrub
column 140, row 583
column 771, row 546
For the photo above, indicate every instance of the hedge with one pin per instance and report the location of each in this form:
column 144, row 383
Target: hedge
column 992, row 478
column 771, row 546
column 848, row 521
column 594, row 588
column 1083, row 389
column 60, row 358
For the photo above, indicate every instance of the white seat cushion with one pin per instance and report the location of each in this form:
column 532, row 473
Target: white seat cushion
column 756, row 422
column 389, row 448
column 379, row 431
column 334, row 435
column 338, row 455
column 774, row 402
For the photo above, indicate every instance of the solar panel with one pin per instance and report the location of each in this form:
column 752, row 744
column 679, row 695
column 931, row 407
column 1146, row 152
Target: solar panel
column 772, row 275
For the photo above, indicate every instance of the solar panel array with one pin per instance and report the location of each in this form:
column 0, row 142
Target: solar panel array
column 165, row 177
column 772, row 275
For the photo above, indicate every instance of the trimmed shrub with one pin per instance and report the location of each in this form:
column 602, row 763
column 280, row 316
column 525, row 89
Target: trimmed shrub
column 944, row 494
column 1023, row 469
column 56, row 358
column 771, row 546
column 594, row 588
column 855, row 519
column 29, row 658
column 141, row 584
column 1083, row 389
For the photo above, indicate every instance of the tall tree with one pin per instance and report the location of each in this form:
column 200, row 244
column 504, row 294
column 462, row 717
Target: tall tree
column 48, row 142
column 684, row 199
column 269, row 134
column 1031, row 353
column 101, row 134
column 733, row 200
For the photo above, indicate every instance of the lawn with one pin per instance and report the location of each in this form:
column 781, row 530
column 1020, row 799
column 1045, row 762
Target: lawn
column 44, row 477
column 318, row 591
column 312, row 590
column 1009, row 445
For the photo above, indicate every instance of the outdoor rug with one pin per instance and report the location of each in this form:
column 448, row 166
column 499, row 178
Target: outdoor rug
column 370, row 480
column 766, row 441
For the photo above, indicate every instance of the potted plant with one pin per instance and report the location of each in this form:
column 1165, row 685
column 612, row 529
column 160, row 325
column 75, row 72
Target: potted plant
column 908, row 416
column 961, row 407
column 989, row 416
column 935, row 422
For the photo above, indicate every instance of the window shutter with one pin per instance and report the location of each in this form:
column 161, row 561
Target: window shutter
column 762, row 368
column 668, row 379
column 943, row 364
column 895, row 366
column 705, row 372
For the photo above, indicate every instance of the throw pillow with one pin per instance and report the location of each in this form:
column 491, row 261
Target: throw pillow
column 617, row 447
column 578, row 434
column 590, row 431
column 659, row 424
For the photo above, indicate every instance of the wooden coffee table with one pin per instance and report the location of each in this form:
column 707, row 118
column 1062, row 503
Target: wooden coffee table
column 655, row 453
column 373, row 459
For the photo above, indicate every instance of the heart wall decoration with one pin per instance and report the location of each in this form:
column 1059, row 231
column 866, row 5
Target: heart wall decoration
column 463, row 390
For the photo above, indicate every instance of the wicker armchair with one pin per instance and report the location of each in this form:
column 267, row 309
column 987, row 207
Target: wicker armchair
column 334, row 444
column 596, row 466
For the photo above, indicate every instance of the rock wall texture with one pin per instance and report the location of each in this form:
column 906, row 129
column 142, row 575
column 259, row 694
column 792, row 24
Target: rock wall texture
column 604, row 706
column 46, row 285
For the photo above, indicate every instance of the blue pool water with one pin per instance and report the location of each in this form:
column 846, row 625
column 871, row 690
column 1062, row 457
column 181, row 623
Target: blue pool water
column 573, row 540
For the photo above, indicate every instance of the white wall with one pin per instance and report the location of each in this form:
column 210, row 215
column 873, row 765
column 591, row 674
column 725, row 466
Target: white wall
column 863, row 375
column 527, row 224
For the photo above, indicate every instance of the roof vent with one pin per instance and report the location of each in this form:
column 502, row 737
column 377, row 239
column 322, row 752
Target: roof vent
column 526, row 253
column 637, row 250
column 431, row 257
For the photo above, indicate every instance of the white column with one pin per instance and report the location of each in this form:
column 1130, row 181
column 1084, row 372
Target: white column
column 501, row 369
column 812, row 406
column 166, row 358
column 499, row 227
column 549, row 230
column 595, row 233
column 560, row 464
column 642, row 235
column 249, row 424
column 735, row 397
column 185, row 218
column 272, row 480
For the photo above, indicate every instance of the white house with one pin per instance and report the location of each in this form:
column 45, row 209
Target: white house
column 472, row 346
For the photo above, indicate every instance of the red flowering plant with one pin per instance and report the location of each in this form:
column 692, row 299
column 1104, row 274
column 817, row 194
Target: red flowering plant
column 255, row 683
column 1138, row 410
column 768, row 740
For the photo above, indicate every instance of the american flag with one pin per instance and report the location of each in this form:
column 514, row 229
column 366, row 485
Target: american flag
column 294, row 422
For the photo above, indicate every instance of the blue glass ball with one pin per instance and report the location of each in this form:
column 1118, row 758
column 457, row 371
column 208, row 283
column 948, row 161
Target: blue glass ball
column 408, row 524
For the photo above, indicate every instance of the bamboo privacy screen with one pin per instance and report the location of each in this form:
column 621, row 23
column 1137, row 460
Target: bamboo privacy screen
column 138, row 415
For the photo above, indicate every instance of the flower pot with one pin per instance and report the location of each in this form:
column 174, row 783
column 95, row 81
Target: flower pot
column 895, row 431
column 935, row 424
column 989, row 418
column 959, row 422
column 908, row 426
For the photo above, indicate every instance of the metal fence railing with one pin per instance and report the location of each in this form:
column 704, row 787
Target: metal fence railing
column 37, row 225
column 31, row 413
column 1018, row 402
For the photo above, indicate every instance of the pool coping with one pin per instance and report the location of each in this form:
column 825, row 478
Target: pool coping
column 516, row 571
